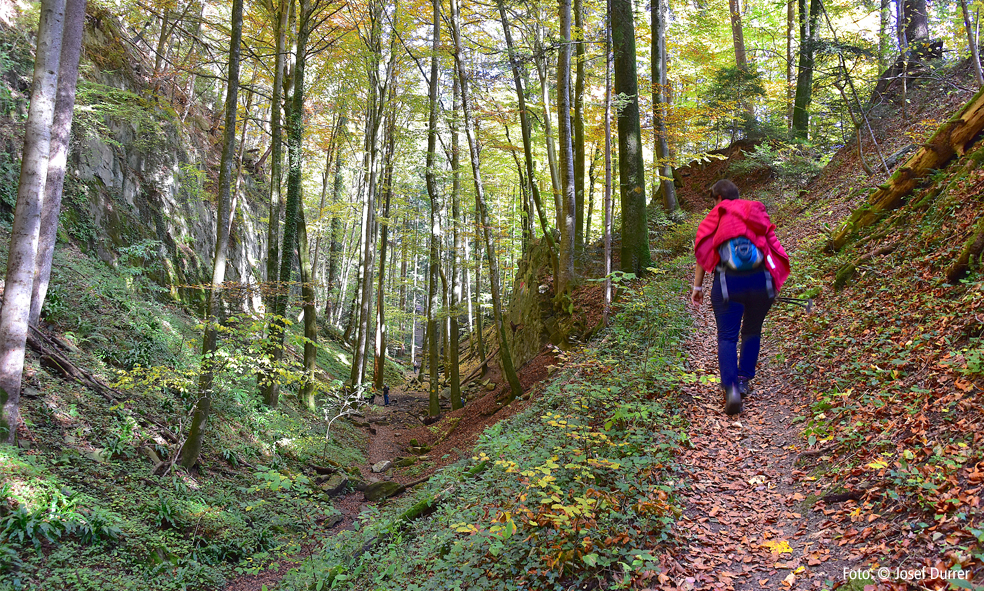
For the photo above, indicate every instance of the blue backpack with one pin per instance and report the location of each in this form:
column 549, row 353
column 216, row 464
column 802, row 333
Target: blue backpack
column 740, row 254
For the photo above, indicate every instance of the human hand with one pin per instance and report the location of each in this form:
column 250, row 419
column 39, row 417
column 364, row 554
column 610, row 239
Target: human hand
column 696, row 296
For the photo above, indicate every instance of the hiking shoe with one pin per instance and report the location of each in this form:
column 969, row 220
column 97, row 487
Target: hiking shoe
column 732, row 401
column 743, row 387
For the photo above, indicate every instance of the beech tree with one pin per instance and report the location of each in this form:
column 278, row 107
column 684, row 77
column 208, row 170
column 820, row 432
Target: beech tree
column 635, row 255
column 196, row 433
column 515, row 388
column 19, row 281
column 61, row 132
column 567, row 192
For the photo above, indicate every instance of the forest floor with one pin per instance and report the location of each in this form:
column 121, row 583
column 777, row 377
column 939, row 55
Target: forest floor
column 746, row 522
column 391, row 428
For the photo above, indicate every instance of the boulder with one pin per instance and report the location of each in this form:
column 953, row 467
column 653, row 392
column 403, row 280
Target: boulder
column 335, row 484
column 381, row 466
column 383, row 490
column 405, row 462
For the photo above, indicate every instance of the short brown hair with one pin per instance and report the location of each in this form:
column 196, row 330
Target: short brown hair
column 724, row 189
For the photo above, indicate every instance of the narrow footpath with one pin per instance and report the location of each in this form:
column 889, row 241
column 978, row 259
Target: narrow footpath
column 749, row 521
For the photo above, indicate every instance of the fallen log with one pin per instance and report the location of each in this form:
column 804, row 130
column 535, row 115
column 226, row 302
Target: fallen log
column 952, row 138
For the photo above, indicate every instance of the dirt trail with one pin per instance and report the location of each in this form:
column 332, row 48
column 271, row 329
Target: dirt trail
column 747, row 523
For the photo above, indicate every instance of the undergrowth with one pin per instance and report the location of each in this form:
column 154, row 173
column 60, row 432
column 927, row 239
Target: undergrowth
column 579, row 485
column 91, row 500
column 893, row 362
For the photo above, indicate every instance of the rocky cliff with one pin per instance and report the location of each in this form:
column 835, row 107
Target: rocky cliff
column 142, row 169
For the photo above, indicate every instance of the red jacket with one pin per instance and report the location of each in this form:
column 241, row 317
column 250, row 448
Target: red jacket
column 739, row 217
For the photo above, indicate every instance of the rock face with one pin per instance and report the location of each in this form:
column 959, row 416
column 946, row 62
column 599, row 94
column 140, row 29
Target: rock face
column 140, row 184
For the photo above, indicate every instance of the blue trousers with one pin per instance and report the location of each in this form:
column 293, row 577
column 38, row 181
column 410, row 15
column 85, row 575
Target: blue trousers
column 742, row 315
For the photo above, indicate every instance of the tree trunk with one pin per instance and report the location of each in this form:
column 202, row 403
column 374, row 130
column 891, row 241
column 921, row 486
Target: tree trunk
column 884, row 37
column 581, row 42
column 631, row 171
column 809, row 36
column 379, row 357
column 975, row 57
column 373, row 162
column 914, row 17
column 27, row 215
column 430, row 173
column 295, row 159
column 952, row 138
column 524, row 121
column 539, row 58
column 664, row 168
column 335, row 247
column 565, row 278
column 269, row 387
column 196, row 434
column 479, row 315
column 508, row 369
column 454, row 374
column 608, row 169
column 61, row 132
column 790, row 68
column 307, row 391
column 591, row 184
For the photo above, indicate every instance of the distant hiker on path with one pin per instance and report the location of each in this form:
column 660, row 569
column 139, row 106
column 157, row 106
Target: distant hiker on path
column 737, row 241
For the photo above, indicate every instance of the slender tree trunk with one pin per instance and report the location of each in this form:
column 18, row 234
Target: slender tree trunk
column 333, row 145
column 790, row 68
column 307, row 391
column 505, row 356
column 541, row 70
column 61, row 131
column 972, row 41
column 479, row 315
column 631, row 171
column 379, row 357
column 373, row 162
column 591, row 185
column 269, row 387
column 27, row 215
column 884, row 37
column 454, row 375
column 608, row 167
column 335, row 247
column 580, row 45
column 565, row 278
column 435, row 230
column 162, row 42
column 809, row 34
column 524, row 120
column 664, row 168
column 196, row 434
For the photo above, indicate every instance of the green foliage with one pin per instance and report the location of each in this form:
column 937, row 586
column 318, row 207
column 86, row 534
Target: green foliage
column 97, row 106
column 729, row 89
column 794, row 163
column 577, row 492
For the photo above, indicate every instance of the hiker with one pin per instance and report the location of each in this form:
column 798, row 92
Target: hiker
column 737, row 241
column 386, row 395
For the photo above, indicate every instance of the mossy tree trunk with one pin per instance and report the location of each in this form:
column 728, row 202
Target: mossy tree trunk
column 635, row 256
column 433, row 299
column 196, row 434
column 952, row 138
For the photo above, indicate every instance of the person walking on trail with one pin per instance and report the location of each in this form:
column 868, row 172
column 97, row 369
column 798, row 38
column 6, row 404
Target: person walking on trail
column 737, row 241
